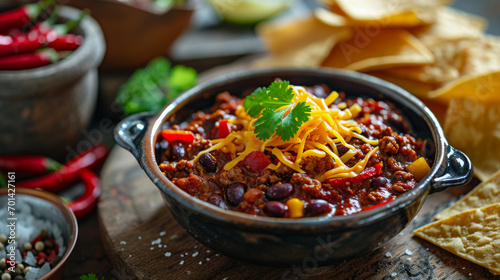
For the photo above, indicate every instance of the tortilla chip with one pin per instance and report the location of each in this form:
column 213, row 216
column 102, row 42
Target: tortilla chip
column 445, row 68
column 481, row 56
column 370, row 50
column 304, row 43
column 474, row 128
column 483, row 87
column 417, row 88
column 287, row 36
column 400, row 13
column 473, row 235
column 486, row 193
column 310, row 55
column 451, row 25
column 331, row 18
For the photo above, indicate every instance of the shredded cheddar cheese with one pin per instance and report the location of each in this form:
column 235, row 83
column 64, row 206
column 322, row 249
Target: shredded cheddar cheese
column 327, row 126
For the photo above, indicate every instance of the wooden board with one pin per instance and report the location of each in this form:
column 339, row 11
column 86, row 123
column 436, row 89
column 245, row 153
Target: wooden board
column 144, row 241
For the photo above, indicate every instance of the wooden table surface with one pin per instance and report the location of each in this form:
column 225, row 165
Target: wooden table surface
column 143, row 241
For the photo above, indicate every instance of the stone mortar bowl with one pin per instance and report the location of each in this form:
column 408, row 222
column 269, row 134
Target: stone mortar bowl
column 45, row 109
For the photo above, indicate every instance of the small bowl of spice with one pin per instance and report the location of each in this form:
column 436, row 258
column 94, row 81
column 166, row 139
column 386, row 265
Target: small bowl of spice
column 37, row 234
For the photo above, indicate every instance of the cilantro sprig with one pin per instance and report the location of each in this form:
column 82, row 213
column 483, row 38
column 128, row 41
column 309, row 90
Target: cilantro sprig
column 264, row 103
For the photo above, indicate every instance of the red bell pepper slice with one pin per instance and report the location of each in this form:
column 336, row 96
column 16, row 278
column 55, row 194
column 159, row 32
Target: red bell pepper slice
column 380, row 204
column 224, row 128
column 178, row 135
column 366, row 174
column 256, row 161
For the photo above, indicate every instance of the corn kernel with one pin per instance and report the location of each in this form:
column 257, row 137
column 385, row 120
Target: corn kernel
column 419, row 168
column 295, row 208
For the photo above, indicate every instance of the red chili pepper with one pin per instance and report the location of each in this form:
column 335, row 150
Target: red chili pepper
column 224, row 128
column 256, row 161
column 367, row 173
column 178, row 135
column 88, row 201
column 377, row 205
column 29, row 60
column 23, row 15
column 21, row 45
column 69, row 173
column 68, row 42
column 32, row 165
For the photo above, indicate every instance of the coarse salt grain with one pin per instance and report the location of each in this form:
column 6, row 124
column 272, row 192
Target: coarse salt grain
column 408, row 252
column 408, row 259
column 168, row 254
column 208, row 259
column 388, row 254
column 129, row 256
column 182, row 255
column 393, row 274
column 181, row 263
column 123, row 243
column 139, row 237
column 159, row 245
column 152, row 248
column 195, row 254
column 155, row 242
column 208, row 251
column 163, row 233
column 200, row 263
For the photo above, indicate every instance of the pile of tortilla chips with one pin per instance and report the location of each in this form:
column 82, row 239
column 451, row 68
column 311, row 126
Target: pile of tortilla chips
column 442, row 56
column 470, row 228
column 439, row 54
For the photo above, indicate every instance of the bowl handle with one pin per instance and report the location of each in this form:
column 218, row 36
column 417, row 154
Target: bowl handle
column 458, row 171
column 130, row 132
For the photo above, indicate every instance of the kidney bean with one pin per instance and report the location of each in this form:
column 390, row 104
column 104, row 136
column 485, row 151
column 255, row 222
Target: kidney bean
column 279, row 192
column 317, row 207
column 217, row 201
column 379, row 182
column 252, row 195
column 341, row 149
column 234, row 194
column 178, row 151
column 275, row 209
column 208, row 162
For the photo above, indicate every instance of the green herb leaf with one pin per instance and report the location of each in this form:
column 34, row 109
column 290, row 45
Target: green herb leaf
column 264, row 102
column 90, row 276
column 150, row 88
column 277, row 95
column 266, row 125
column 291, row 123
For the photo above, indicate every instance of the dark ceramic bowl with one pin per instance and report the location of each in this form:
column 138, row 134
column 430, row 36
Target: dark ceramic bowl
column 281, row 241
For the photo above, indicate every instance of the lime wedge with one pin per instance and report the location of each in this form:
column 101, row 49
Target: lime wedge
column 248, row 11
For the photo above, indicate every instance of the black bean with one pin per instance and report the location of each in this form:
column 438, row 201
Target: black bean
column 279, row 192
column 379, row 182
column 208, row 162
column 217, row 201
column 178, row 151
column 317, row 207
column 275, row 209
column 234, row 194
